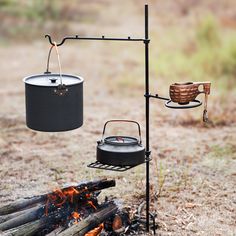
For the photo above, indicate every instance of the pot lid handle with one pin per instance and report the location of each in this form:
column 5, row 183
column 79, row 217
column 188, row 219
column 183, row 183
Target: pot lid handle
column 129, row 121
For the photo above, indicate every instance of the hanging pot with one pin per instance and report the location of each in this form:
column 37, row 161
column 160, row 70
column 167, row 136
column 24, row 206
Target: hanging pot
column 120, row 150
column 54, row 102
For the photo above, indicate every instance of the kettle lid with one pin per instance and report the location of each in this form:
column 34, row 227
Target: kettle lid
column 121, row 140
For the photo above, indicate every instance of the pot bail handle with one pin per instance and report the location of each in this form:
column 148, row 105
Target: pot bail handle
column 130, row 121
column 58, row 60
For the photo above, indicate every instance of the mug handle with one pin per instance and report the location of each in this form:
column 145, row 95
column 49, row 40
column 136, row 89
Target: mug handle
column 206, row 87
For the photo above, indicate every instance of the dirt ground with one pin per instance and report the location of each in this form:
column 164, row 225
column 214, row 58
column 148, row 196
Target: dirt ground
column 193, row 168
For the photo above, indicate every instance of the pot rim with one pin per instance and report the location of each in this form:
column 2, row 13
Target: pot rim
column 80, row 79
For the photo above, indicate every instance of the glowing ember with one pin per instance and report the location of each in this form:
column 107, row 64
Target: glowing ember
column 80, row 203
column 95, row 231
column 76, row 216
column 92, row 205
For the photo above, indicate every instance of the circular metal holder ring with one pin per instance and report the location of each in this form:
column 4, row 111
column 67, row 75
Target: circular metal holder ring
column 174, row 105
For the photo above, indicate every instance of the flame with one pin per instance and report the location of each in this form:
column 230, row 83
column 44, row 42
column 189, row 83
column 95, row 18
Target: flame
column 76, row 216
column 92, row 205
column 68, row 195
column 59, row 197
column 96, row 231
column 88, row 195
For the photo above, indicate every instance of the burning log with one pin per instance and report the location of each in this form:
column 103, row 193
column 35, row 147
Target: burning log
column 91, row 222
column 56, row 211
column 90, row 186
column 57, row 201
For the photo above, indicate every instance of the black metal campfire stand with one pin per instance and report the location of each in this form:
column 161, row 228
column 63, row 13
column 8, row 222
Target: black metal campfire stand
column 147, row 96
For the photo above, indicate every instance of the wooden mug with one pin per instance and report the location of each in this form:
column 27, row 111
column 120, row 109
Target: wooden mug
column 183, row 93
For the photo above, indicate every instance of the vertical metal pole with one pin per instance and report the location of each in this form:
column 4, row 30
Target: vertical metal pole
column 146, row 42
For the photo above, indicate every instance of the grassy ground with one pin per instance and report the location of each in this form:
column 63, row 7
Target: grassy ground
column 193, row 169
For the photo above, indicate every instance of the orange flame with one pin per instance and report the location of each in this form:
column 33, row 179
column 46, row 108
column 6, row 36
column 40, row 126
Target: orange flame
column 76, row 216
column 59, row 197
column 92, row 205
column 96, row 231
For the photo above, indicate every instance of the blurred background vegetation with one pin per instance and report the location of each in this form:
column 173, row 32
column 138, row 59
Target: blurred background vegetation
column 194, row 40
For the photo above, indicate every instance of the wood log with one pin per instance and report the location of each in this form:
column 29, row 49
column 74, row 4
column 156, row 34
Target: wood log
column 21, row 204
column 45, row 223
column 30, row 215
column 98, row 185
column 56, row 231
column 7, row 217
column 28, row 229
column 90, row 186
column 91, row 221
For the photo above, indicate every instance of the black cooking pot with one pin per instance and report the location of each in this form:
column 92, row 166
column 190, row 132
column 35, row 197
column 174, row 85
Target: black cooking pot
column 120, row 150
column 54, row 102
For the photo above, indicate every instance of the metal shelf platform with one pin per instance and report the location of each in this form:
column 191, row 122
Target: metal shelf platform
column 99, row 165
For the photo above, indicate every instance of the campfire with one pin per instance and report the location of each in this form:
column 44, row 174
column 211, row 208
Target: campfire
column 73, row 210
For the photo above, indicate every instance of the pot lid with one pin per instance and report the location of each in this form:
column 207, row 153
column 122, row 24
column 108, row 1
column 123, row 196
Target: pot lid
column 52, row 79
column 121, row 140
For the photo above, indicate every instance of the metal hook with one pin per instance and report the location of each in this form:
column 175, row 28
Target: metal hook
column 49, row 38
column 52, row 43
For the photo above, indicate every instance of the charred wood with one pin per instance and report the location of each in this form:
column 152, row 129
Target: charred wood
column 21, row 204
column 45, row 223
column 56, row 231
column 91, row 222
column 30, row 215
column 7, row 217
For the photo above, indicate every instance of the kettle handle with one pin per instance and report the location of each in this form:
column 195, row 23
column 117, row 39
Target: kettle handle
column 130, row 121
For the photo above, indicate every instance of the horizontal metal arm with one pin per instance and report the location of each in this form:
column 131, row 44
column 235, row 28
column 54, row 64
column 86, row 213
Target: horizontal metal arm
column 96, row 38
column 157, row 96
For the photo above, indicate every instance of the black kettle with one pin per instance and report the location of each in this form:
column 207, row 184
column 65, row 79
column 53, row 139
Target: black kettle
column 120, row 150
